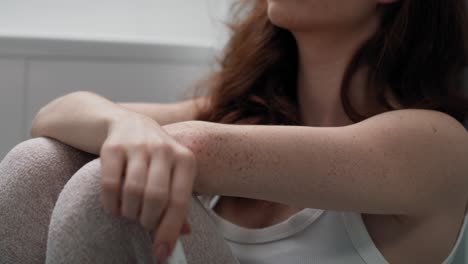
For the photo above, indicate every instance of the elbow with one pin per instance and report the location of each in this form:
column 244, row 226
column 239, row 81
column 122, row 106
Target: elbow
column 41, row 123
column 37, row 125
column 44, row 117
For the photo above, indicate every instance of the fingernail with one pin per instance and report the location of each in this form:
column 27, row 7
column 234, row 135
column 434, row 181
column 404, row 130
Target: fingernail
column 186, row 229
column 162, row 251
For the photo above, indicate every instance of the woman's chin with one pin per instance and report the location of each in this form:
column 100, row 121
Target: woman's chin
column 280, row 17
column 285, row 14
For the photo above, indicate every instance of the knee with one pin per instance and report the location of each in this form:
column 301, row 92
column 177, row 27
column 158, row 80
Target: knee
column 43, row 150
column 87, row 180
column 79, row 220
column 44, row 155
column 81, row 192
column 79, row 199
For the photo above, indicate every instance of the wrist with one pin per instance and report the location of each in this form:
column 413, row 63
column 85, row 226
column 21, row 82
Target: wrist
column 197, row 137
column 118, row 115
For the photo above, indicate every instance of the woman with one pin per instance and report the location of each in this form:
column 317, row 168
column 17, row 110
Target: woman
column 353, row 108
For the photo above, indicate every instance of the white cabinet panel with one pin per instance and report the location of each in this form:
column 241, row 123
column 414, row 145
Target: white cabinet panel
column 118, row 81
column 12, row 126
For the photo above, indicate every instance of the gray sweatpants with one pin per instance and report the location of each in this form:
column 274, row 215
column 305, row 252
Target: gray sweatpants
column 50, row 212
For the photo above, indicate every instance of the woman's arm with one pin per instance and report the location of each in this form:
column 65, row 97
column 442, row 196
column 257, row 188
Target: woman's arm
column 146, row 175
column 81, row 119
column 401, row 162
column 169, row 113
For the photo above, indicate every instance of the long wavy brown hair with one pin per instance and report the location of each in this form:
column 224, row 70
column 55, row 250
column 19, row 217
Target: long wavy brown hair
column 419, row 52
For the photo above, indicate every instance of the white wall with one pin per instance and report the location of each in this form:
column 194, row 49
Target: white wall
column 126, row 50
column 12, row 104
column 29, row 81
column 180, row 21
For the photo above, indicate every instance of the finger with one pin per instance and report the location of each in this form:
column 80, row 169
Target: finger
column 112, row 167
column 135, row 181
column 177, row 209
column 186, row 228
column 156, row 194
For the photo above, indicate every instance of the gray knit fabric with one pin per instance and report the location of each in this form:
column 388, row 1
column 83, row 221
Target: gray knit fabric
column 50, row 212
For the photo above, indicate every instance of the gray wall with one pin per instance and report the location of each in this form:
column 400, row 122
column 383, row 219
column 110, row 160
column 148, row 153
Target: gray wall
column 35, row 71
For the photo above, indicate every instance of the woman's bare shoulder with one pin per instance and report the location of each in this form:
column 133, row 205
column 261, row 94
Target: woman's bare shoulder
column 418, row 119
column 441, row 140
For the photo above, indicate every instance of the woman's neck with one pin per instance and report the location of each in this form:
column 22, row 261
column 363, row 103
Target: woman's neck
column 323, row 60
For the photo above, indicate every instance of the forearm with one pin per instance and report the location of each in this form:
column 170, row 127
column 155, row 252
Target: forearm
column 273, row 163
column 80, row 119
column 298, row 166
column 168, row 113
column 375, row 167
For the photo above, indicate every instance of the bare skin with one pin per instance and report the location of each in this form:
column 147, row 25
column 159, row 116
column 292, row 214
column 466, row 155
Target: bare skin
column 397, row 237
column 396, row 225
column 397, row 217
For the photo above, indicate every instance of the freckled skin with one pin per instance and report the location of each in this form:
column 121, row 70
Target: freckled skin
column 378, row 167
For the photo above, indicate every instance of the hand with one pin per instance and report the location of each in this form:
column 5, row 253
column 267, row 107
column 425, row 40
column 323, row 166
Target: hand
column 153, row 176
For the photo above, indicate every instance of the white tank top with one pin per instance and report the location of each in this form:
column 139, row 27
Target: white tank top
column 312, row 236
